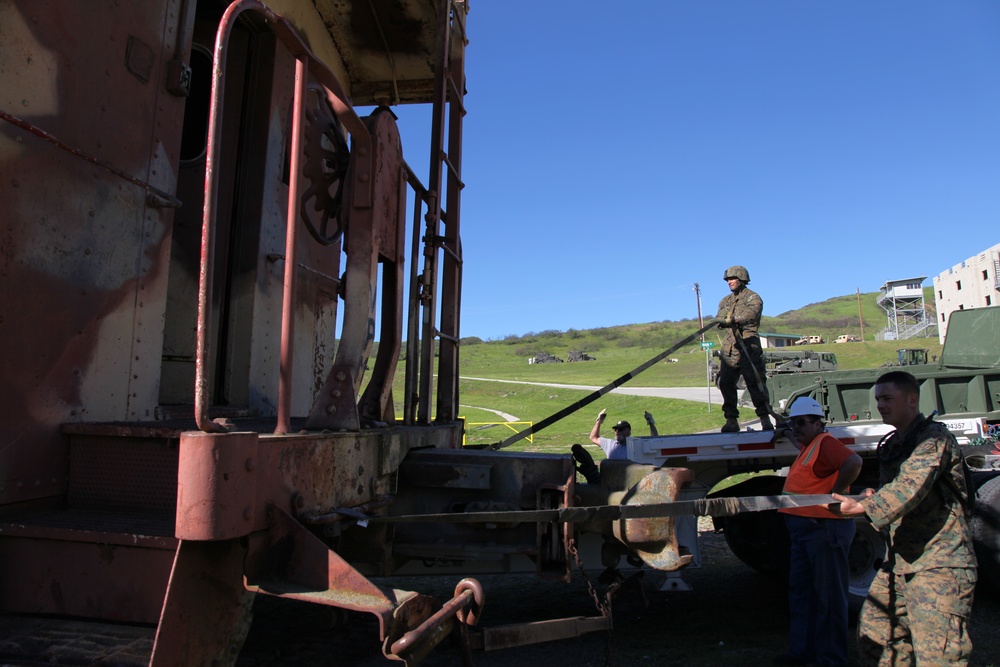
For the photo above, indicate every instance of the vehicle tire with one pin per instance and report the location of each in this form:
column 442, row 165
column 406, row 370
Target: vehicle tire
column 864, row 559
column 759, row 539
column 985, row 526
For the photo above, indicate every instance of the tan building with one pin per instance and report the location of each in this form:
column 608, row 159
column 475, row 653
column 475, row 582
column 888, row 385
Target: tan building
column 975, row 283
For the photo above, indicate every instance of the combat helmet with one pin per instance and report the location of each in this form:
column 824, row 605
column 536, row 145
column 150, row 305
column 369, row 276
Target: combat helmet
column 738, row 272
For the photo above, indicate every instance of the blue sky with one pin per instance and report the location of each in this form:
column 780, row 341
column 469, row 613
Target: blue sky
column 617, row 153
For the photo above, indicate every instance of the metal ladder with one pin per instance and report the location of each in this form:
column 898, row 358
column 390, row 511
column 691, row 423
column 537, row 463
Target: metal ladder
column 446, row 152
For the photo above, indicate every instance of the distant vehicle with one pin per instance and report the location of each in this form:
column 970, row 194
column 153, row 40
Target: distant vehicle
column 544, row 358
column 847, row 338
column 911, row 356
column 798, row 362
column 810, row 340
column 577, row 355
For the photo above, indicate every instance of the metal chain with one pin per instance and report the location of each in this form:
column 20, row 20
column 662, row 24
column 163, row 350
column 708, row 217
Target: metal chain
column 603, row 606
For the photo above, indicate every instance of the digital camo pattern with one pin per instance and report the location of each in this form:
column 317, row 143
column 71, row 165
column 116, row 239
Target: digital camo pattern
column 922, row 500
column 746, row 307
column 918, row 607
column 919, row 619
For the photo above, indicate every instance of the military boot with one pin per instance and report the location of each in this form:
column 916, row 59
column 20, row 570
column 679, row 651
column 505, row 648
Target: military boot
column 731, row 426
column 587, row 467
column 765, row 423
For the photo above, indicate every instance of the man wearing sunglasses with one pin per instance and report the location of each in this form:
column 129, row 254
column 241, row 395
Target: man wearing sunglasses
column 918, row 607
column 820, row 541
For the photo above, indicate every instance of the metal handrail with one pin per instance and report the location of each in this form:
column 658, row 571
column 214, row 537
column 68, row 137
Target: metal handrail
column 363, row 194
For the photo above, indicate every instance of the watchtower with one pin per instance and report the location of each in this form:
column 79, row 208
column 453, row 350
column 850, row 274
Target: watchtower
column 903, row 302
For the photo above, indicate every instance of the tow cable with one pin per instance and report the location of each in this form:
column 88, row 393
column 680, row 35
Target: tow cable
column 590, row 398
column 761, row 385
column 723, row 506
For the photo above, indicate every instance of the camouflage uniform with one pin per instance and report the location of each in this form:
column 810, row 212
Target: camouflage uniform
column 745, row 306
column 918, row 607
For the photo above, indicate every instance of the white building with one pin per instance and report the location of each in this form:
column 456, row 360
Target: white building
column 975, row 283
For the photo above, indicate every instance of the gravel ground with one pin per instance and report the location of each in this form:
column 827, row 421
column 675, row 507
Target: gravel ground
column 732, row 616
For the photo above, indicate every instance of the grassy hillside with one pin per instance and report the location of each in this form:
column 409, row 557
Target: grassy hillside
column 620, row 349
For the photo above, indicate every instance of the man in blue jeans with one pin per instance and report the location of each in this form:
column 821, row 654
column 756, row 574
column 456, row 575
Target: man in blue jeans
column 821, row 540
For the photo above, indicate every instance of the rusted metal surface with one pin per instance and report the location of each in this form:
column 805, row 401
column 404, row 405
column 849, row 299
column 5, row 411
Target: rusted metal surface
column 216, row 485
column 165, row 199
column 206, row 612
column 458, row 485
column 401, row 37
column 361, row 190
column 81, row 250
column 291, row 265
column 464, row 607
column 655, row 539
column 375, row 235
column 358, row 512
column 79, row 573
column 524, row 634
column 288, row 560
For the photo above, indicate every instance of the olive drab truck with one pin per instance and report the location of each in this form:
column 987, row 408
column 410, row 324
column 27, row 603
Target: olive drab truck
column 206, row 214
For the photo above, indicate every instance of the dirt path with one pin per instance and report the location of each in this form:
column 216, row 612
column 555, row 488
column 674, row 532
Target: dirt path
column 699, row 394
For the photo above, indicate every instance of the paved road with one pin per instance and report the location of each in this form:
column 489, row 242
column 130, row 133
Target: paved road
column 700, row 394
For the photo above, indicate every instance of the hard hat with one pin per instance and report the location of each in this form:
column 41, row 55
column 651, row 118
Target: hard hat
column 739, row 272
column 804, row 405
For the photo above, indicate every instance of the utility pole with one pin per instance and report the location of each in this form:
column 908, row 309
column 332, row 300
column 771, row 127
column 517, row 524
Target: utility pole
column 861, row 318
column 708, row 366
column 697, row 292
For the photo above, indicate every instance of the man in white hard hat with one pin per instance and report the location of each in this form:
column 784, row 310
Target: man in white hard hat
column 820, row 539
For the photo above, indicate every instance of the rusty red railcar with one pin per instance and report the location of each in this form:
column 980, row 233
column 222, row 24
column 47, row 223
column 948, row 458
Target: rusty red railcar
column 200, row 234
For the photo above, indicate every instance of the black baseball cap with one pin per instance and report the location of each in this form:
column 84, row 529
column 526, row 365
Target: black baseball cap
column 622, row 424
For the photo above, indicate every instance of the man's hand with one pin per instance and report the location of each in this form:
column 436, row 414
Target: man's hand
column 602, row 415
column 726, row 322
column 649, row 418
column 848, row 506
column 783, row 431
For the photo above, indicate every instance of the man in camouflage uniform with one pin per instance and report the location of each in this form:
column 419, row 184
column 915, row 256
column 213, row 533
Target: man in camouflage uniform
column 739, row 313
column 918, row 607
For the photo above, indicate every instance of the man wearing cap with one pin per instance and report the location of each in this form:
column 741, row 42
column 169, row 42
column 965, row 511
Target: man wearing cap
column 820, row 541
column 739, row 313
column 617, row 448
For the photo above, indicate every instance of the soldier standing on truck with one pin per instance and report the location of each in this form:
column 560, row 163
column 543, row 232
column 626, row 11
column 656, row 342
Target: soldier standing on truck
column 918, row 606
column 739, row 313
column 820, row 542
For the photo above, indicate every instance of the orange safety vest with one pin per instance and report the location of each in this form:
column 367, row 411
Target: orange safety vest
column 802, row 480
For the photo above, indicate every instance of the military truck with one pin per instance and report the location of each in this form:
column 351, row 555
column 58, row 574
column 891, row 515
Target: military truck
column 962, row 388
column 796, row 361
column 911, row 356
